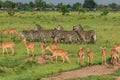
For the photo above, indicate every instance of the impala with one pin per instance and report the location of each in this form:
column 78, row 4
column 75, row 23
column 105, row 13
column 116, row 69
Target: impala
column 5, row 31
column 90, row 54
column 104, row 52
column 81, row 55
column 43, row 47
column 12, row 31
column 6, row 45
column 29, row 46
column 114, row 56
column 59, row 52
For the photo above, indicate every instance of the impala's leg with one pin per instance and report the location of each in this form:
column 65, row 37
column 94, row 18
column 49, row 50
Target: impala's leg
column 102, row 61
column 88, row 60
column 63, row 59
column 28, row 50
column 43, row 54
column 12, row 49
column 79, row 60
column 3, row 51
column 32, row 50
column 52, row 57
column 6, row 51
column 56, row 58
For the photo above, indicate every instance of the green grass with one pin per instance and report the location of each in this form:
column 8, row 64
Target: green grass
column 15, row 68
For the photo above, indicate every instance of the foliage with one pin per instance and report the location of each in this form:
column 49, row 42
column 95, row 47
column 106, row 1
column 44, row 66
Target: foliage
column 11, row 12
column 90, row 4
column 64, row 9
column 104, row 12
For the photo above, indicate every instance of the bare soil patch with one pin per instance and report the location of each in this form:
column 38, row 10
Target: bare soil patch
column 39, row 59
column 84, row 72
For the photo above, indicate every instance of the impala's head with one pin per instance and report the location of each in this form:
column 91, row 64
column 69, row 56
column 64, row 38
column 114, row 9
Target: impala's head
column 80, row 48
column 24, row 40
column 88, row 49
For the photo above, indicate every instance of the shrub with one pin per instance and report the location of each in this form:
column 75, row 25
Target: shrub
column 104, row 12
column 11, row 12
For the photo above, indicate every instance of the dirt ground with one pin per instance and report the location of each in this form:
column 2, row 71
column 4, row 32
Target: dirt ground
column 39, row 59
column 84, row 72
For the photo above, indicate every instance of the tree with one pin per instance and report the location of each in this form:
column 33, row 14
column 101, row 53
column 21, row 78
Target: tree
column 113, row 6
column 90, row 4
column 1, row 3
column 40, row 4
column 8, row 4
column 31, row 4
column 64, row 9
column 76, row 6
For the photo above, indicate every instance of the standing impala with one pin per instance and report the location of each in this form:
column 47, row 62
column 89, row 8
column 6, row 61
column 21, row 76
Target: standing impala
column 59, row 52
column 81, row 55
column 90, row 54
column 5, row 31
column 6, row 45
column 104, row 52
column 114, row 56
column 43, row 47
column 12, row 31
column 29, row 46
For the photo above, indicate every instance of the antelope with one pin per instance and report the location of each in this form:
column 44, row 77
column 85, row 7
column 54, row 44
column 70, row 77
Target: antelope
column 104, row 52
column 12, row 31
column 29, row 46
column 5, row 31
column 114, row 56
column 90, row 54
column 117, row 47
column 59, row 52
column 81, row 55
column 43, row 47
column 6, row 45
column 54, row 43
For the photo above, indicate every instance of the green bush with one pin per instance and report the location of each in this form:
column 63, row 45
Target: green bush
column 104, row 12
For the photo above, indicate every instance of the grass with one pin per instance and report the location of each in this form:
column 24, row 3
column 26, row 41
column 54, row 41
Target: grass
column 15, row 68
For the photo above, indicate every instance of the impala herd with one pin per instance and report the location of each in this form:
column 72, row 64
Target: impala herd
column 53, row 48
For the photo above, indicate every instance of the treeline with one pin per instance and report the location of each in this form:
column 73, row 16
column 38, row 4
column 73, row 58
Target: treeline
column 43, row 6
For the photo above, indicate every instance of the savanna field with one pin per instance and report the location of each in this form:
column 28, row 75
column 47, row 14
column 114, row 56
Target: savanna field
column 15, row 68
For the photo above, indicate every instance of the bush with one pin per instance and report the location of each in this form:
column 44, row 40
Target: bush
column 11, row 12
column 104, row 12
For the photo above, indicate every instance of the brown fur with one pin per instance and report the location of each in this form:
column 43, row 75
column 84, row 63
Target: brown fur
column 90, row 54
column 114, row 56
column 59, row 52
column 81, row 55
column 29, row 46
column 104, row 53
column 6, row 45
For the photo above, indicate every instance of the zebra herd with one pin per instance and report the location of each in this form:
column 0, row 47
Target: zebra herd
column 76, row 35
